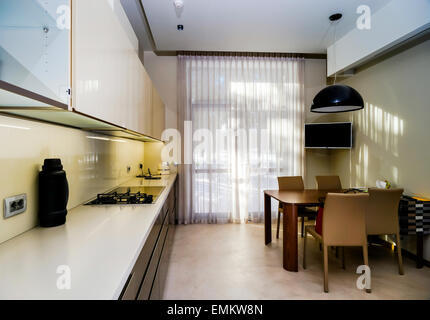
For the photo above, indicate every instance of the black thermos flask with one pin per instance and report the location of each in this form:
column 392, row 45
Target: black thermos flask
column 53, row 194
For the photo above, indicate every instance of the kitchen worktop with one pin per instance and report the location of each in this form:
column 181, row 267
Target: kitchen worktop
column 99, row 244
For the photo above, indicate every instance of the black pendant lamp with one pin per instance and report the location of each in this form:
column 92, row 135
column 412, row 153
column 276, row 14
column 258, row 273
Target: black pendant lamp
column 337, row 98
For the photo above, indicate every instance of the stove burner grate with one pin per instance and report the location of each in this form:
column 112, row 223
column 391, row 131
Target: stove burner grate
column 122, row 198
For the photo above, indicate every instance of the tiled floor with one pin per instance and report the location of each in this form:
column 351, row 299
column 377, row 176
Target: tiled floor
column 231, row 262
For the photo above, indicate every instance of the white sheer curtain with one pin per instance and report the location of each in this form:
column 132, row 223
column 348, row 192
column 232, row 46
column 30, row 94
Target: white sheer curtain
column 247, row 116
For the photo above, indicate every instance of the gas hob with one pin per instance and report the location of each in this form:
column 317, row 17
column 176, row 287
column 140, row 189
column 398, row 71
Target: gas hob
column 128, row 195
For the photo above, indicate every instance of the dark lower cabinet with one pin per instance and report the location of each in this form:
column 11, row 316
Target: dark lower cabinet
column 160, row 277
column 148, row 276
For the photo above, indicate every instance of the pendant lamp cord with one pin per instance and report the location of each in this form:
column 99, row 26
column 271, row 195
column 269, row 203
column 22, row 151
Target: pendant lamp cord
column 334, row 50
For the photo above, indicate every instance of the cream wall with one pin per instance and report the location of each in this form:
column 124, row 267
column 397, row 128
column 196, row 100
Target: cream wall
column 153, row 156
column 317, row 161
column 162, row 71
column 93, row 164
column 392, row 134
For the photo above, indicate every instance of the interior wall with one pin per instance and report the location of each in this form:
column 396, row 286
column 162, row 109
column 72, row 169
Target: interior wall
column 317, row 161
column 153, row 156
column 392, row 132
column 93, row 164
column 162, row 71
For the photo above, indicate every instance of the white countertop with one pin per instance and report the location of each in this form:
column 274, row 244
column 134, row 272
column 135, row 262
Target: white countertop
column 100, row 244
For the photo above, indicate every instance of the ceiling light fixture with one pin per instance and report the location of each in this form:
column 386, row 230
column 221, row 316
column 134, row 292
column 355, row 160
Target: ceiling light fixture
column 337, row 98
column 179, row 4
column 179, row 7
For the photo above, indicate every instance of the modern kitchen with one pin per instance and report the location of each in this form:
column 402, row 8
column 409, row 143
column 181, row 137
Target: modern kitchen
column 184, row 150
column 85, row 157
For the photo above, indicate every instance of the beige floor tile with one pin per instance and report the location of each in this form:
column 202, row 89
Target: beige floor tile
column 231, row 262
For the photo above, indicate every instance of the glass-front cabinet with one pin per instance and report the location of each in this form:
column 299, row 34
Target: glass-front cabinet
column 35, row 47
column 75, row 63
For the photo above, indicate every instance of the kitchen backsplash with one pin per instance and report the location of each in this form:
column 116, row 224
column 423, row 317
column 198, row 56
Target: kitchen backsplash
column 94, row 163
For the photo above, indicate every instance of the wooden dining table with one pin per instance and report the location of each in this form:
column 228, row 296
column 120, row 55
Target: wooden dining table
column 291, row 200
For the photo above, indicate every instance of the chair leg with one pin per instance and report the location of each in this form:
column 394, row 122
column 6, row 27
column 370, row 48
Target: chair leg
column 303, row 226
column 304, row 249
column 366, row 262
column 343, row 258
column 279, row 221
column 365, row 255
column 399, row 254
column 325, row 268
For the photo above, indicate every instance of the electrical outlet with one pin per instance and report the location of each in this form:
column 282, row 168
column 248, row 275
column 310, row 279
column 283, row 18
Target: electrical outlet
column 14, row 205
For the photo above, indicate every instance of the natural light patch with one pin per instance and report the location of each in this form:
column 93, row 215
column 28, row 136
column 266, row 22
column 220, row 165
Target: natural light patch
column 395, row 174
column 362, row 166
column 380, row 127
column 380, row 131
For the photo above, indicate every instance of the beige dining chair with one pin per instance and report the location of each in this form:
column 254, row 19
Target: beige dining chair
column 293, row 183
column 382, row 216
column 328, row 183
column 343, row 224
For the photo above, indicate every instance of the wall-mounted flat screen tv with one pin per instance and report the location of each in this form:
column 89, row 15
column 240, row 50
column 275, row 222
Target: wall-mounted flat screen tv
column 335, row 135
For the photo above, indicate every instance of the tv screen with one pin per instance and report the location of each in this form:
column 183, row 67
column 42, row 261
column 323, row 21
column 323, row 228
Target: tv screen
column 336, row 135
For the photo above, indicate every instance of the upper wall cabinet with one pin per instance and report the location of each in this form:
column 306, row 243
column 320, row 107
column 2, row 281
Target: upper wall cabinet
column 108, row 79
column 35, row 46
column 147, row 111
column 50, row 46
column 158, row 114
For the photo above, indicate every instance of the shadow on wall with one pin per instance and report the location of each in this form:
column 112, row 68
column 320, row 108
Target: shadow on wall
column 381, row 132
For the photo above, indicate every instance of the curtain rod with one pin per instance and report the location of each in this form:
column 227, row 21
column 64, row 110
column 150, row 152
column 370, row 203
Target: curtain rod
column 243, row 54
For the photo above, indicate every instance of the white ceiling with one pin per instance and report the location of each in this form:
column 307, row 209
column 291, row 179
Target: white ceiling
column 251, row 25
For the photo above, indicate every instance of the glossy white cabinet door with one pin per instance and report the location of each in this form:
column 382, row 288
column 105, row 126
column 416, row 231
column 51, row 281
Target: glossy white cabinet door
column 147, row 111
column 107, row 76
column 158, row 114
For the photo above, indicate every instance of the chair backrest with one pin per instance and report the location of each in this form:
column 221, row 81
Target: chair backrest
column 382, row 216
column 344, row 219
column 328, row 183
column 291, row 183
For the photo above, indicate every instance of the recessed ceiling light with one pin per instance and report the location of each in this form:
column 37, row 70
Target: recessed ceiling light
column 180, row 27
